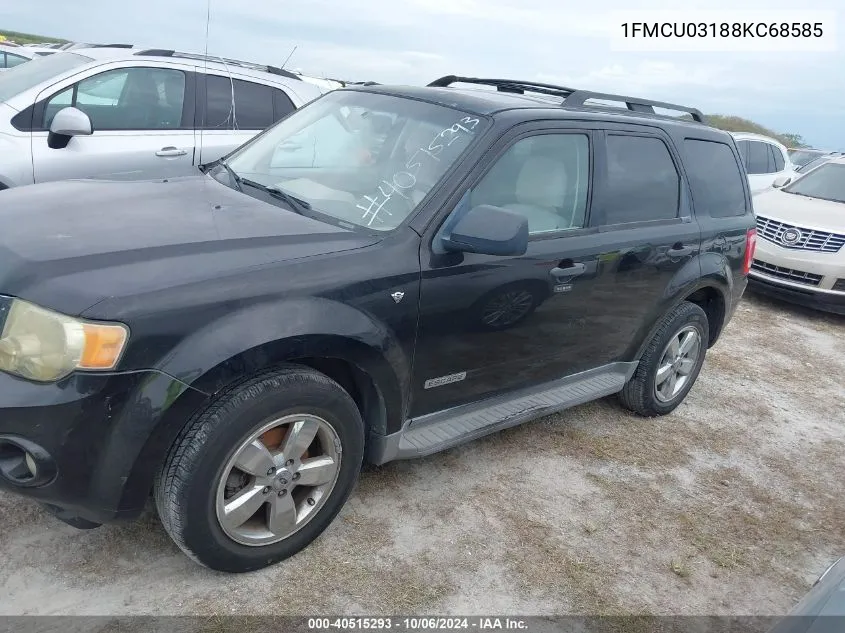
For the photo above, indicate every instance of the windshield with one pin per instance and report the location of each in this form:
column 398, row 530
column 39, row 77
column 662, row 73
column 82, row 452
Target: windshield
column 802, row 156
column 826, row 182
column 359, row 157
column 813, row 164
column 25, row 76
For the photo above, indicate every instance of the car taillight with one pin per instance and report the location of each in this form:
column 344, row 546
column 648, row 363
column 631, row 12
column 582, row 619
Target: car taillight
column 750, row 247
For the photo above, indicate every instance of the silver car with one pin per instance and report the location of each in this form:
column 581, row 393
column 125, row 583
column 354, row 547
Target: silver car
column 134, row 114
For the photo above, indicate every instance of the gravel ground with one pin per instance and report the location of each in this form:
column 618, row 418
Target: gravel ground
column 731, row 505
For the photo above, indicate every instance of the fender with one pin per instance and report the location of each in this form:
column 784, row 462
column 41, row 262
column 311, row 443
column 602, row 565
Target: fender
column 268, row 333
column 689, row 279
column 230, row 348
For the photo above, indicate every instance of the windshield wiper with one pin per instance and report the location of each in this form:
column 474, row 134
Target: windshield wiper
column 296, row 204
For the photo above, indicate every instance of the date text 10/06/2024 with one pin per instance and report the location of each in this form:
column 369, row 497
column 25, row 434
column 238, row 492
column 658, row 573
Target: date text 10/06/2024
column 419, row 624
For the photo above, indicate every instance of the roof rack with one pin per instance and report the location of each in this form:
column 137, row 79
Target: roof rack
column 571, row 96
column 273, row 70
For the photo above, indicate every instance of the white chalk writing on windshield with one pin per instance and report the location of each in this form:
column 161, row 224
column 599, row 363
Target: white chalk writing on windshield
column 402, row 182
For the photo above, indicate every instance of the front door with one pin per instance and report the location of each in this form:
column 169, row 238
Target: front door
column 609, row 228
column 142, row 120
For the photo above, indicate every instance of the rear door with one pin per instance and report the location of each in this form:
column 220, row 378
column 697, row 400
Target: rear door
column 232, row 110
column 722, row 208
column 142, row 119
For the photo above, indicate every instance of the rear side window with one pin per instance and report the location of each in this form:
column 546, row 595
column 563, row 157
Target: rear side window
column 642, row 181
column 282, row 105
column 14, row 60
column 715, row 179
column 760, row 159
column 777, row 155
column 251, row 108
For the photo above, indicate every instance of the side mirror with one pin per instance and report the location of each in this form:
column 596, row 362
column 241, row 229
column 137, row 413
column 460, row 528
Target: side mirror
column 67, row 123
column 489, row 230
column 781, row 181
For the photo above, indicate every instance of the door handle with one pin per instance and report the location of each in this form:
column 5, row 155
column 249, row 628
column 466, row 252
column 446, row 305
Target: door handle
column 167, row 152
column 679, row 250
column 573, row 270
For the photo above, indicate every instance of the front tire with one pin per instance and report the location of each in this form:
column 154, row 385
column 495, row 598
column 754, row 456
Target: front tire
column 262, row 471
column 670, row 364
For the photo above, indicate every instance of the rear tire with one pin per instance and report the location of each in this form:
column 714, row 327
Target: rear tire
column 651, row 391
column 237, row 429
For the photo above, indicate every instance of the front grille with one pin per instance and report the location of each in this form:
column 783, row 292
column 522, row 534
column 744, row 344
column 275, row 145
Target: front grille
column 839, row 285
column 789, row 274
column 808, row 239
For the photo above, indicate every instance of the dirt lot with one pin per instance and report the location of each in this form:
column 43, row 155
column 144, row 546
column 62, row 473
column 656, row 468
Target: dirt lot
column 731, row 505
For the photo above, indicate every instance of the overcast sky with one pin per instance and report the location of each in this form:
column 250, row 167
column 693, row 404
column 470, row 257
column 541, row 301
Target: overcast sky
column 415, row 41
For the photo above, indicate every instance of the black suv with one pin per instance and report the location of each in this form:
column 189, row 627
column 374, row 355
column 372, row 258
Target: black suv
column 386, row 273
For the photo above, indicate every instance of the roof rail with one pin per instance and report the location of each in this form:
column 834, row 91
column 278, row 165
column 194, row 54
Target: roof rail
column 164, row 52
column 571, row 96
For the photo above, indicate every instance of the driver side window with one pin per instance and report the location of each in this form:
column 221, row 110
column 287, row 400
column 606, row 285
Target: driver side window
column 544, row 178
column 125, row 99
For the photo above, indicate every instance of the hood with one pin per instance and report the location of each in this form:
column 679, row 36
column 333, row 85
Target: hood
column 813, row 213
column 68, row 245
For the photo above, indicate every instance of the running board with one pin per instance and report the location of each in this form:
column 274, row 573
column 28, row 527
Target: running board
column 444, row 429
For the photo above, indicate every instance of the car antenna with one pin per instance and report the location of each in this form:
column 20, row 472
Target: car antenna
column 289, row 56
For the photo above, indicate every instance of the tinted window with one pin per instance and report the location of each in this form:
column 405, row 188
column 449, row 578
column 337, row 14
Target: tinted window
column 778, row 158
column 742, row 146
column 642, row 182
column 545, row 178
column 715, row 179
column 282, row 105
column 813, row 164
column 14, row 60
column 759, row 159
column 803, row 156
column 252, row 108
column 126, row 99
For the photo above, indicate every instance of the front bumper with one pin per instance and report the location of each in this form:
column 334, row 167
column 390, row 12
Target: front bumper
column 804, row 277
column 92, row 429
column 808, row 297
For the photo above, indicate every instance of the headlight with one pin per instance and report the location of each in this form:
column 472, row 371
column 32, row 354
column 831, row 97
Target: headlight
column 43, row 345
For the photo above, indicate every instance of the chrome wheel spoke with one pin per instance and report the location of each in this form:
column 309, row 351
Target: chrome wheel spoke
column 672, row 383
column 255, row 459
column 687, row 342
column 299, row 438
column 240, row 508
column 281, row 515
column 663, row 373
column 674, row 345
column 316, row 471
column 685, row 366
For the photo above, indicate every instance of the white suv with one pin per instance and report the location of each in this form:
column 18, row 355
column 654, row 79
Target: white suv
column 765, row 160
column 124, row 113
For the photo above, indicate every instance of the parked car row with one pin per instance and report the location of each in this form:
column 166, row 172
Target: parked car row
column 11, row 56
